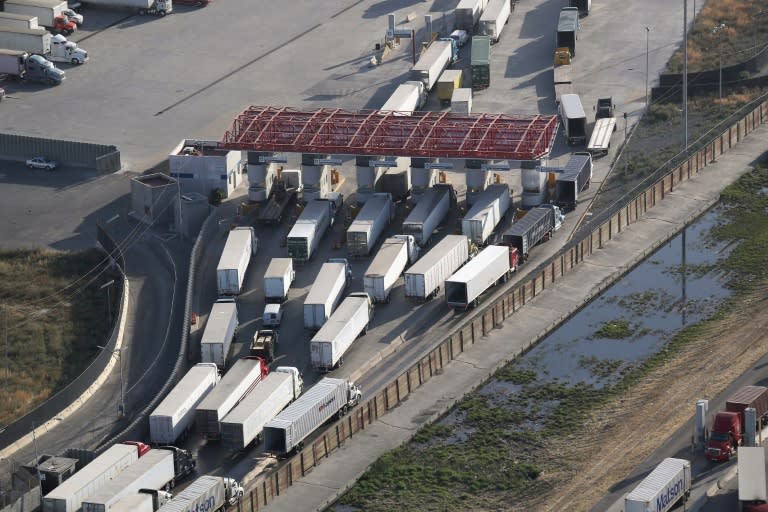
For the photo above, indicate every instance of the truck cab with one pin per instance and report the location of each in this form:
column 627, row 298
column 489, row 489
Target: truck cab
column 354, row 395
column 559, row 215
column 454, row 49
column 38, row 69
column 348, row 268
column 725, row 437
column 604, row 108
column 413, row 248
column 233, row 490
column 63, row 25
column 263, row 344
column 141, row 448
column 66, row 51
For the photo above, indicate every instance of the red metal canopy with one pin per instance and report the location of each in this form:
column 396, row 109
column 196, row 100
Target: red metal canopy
column 378, row 133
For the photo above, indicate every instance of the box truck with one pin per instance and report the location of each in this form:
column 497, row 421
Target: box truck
column 729, row 426
column 489, row 208
column 206, row 494
column 449, row 81
column 241, row 245
column 327, row 398
column 369, row 224
column 666, row 486
column 574, row 178
column 574, row 119
column 306, row 233
column 494, row 18
column 567, row 29
column 429, row 213
column 408, row 96
column 424, row 279
column 34, row 68
column 490, row 266
column 343, row 327
column 219, row 332
column 174, row 416
column 325, row 294
column 278, row 279
column 246, row 421
column 394, row 255
column 49, row 13
column 537, row 225
column 439, row 56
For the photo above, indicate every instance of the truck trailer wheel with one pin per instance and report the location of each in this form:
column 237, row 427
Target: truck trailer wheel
column 142, row 12
column 162, row 13
column 75, row 61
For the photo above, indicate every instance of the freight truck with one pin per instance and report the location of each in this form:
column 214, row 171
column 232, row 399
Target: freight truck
column 34, row 68
column 567, row 29
column 394, row 255
column 154, row 470
column 245, row 423
column 69, row 496
column 174, row 416
column 574, row 178
column 489, row 209
column 219, row 332
column 729, row 426
column 574, row 119
column 306, row 233
column 240, row 380
column 343, row 327
column 146, row 500
column 32, row 40
column 491, row 266
column 666, row 486
column 278, row 279
column 537, row 225
column 369, row 224
column 241, row 245
column 206, row 494
column 480, row 62
column 49, row 13
column 66, row 51
column 494, row 18
column 408, row 96
column 468, row 13
column 327, row 398
column 429, row 213
column 325, row 294
column 439, row 56
column 143, row 7
column 424, row 279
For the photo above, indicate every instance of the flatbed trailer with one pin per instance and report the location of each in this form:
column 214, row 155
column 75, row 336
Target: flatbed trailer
column 600, row 140
column 273, row 209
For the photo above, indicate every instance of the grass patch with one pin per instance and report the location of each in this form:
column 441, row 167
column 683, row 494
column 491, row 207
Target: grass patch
column 615, row 330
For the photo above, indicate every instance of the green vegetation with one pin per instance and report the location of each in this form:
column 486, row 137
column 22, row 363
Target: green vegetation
column 615, row 330
column 52, row 321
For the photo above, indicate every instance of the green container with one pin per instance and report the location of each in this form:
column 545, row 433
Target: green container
column 481, row 62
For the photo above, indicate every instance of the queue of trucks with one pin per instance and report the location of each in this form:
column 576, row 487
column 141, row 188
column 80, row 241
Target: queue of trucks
column 325, row 294
column 305, row 235
column 429, row 213
column 390, row 262
column 370, row 222
column 489, row 208
column 348, row 322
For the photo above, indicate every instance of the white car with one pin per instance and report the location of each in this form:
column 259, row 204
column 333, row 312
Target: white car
column 74, row 17
column 40, row 162
column 273, row 315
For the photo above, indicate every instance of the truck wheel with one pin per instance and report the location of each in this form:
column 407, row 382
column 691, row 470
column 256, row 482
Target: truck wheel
column 50, row 81
column 344, row 410
column 75, row 61
column 142, row 12
column 161, row 13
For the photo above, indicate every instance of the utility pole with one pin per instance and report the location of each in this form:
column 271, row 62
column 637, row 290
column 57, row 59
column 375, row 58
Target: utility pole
column 647, row 60
column 718, row 30
column 685, row 76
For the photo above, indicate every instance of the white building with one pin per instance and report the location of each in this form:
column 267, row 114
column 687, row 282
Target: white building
column 200, row 167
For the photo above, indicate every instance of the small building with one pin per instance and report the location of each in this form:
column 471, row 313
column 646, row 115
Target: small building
column 155, row 199
column 201, row 167
column 53, row 470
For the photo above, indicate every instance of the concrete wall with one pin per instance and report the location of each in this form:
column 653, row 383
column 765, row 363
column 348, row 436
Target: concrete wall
column 82, row 154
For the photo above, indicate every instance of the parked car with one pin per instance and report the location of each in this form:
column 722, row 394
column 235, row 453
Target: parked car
column 41, row 162
column 460, row 36
column 273, row 315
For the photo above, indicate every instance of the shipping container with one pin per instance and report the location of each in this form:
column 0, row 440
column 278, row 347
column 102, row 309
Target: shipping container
column 325, row 294
column 432, row 63
column 369, row 224
column 424, row 279
column 230, row 273
column 386, row 267
column 490, row 266
column 219, row 333
column 343, row 327
column 429, row 213
column 206, row 494
column 538, row 224
column 574, row 119
column 309, row 229
column 278, row 279
column 449, row 81
column 486, row 213
column 574, row 178
column 32, row 40
column 662, row 489
column 494, row 18
column 480, row 62
column 461, row 101
column 174, row 416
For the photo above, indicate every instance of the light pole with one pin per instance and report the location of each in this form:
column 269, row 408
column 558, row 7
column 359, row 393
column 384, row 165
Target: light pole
column 685, row 76
column 647, row 35
column 119, row 352
column 107, row 285
column 717, row 30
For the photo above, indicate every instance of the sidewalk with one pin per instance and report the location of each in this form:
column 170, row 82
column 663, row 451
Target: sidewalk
column 331, row 479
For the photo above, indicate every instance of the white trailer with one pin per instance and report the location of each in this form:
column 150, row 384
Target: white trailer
column 325, row 294
column 486, row 213
column 246, row 421
column 142, row 501
column 408, row 96
column 240, row 380
column 662, row 489
column 467, row 14
column 68, row 497
column 428, row 214
column 574, row 119
column 600, row 140
column 370, row 223
column 9, row 19
column 342, row 328
column 32, row 40
column 172, row 418
column 461, row 100
column 278, row 279
column 46, row 11
column 219, row 332
column 494, row 18
column 490, row 266
column 241, row 245
column 424, row 279
column 432, row 62
column 309, row 229
column 206, row 494
column 751, row 472
column 156, row 7
column 325, row 399
column 385, row 269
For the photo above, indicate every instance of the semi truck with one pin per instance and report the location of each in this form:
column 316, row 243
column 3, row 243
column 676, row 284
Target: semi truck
column 146, row 500
column 369, row 224
column 174, row 416
column 343, row 327
column 32, row 40
column 440, row 55
column 264, row 344
column 424, row 279
column 238, row 250
column 537, row 225
column 153, row 470
column 144, row 7
column 34, row 68
column 328, row 398
column 66, row 51
column 394, row 255
column 9, row 19
column 235, row 385
column 325, row 294
column 491, row 266
column 582, row 5
column 408, row 96
column 567, row 29
column 206, row 494
column 753, row 496
column 494, row 18
column 449, row 81
column 480, row 62
column 489, row 209
column 468, row 13
column 729, row 426
column 664, row 487
column 306, row 233
column 219, row 332
column 49, row 13
column 245, row 423
column 574, row 178
column 278, row 279
column 574, row 119
column 69, row 496
column 429, row 213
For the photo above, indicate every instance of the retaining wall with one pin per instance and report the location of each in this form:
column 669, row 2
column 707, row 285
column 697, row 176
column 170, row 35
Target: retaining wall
column 84, row 154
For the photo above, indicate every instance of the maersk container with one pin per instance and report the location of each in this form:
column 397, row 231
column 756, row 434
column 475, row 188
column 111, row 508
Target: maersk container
column 219, row 332
column 68, row 496
column 385, row 269
column 369, row 224
column 490, row 266
column 494, row 18
column 424, row 279
column 431, row 63
column 246, row 421
column 325, row 294
column 467, row 14
column 342, row 328
column 662, row 489
column 240, row 380
column 429, row 212
column 309, row 229
column 230, row 273
column 32, row 40
column 486, row 213
column 278, row 279
column 173, row 417
column 153, row 470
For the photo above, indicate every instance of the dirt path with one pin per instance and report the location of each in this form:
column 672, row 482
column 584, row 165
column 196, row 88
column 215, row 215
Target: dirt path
column 623, row 433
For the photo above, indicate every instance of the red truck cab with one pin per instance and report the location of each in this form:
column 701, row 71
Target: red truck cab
column 725, row 436
column 62, row 24
column 141, row 447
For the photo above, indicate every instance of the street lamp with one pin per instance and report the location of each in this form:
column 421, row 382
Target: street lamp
column 647, row 34
column 717, row 30
column 109, row 303
column 119, row 352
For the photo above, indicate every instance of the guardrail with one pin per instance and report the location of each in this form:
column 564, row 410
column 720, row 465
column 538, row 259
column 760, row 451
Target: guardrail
column 268, row 487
